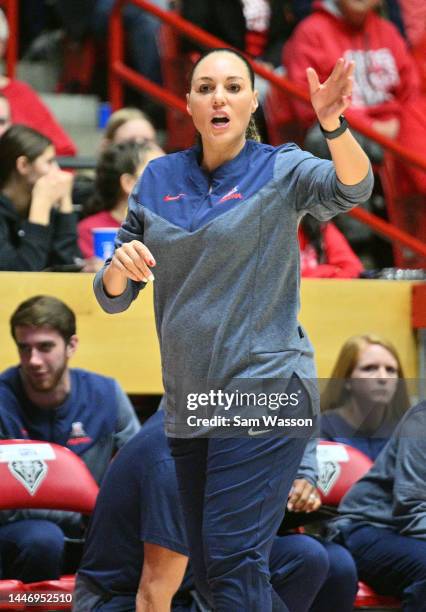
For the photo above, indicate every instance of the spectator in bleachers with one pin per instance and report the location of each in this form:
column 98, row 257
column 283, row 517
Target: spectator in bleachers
column 43, row 399
column 257, row 27
column 365, row 396
column 4, row 114
column 146, row 556
column 26, row 106
column 141, row 37
column 325, row 252
column 128, row 124
column 391, row 8
column 117, row 171
column 383, row 521
column 386, row 92
column 37, row 222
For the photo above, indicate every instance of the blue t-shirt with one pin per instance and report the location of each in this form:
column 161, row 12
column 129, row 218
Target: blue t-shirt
column 138, row 502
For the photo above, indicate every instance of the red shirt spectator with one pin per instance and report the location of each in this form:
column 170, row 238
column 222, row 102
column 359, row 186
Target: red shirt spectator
column 386, row 92
column 28, row 109
column 336, row 259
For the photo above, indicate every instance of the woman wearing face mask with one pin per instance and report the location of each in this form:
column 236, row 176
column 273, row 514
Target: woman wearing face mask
column 366, row 395
column 217, row 221
column 37, row 223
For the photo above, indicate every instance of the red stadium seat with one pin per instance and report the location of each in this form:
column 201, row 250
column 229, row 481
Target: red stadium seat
column 340, row 466
column 43, row 475
column 8, row 588
column 62, row 588
column 366, row 599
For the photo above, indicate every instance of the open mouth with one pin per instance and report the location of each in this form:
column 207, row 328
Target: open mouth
column 220, row 121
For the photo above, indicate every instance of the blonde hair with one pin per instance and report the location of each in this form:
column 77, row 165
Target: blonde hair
column 122, row 116
column 336, row 393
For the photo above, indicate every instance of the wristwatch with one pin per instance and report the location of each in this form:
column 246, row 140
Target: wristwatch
column 338, row 131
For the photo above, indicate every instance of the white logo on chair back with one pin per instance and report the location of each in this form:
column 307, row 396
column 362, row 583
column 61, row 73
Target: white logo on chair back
column 329, row 472
column 26, row 452
column 29, row 473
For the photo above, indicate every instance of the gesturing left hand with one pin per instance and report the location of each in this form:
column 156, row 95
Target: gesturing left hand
column 331, row 98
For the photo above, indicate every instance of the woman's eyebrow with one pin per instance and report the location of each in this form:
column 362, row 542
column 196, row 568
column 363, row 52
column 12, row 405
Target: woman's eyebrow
column 206, row 78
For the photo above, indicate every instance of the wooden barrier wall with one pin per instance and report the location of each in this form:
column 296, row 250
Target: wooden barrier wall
column 126, row 346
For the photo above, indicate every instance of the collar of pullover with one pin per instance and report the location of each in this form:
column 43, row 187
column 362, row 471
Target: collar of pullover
column 228, row 170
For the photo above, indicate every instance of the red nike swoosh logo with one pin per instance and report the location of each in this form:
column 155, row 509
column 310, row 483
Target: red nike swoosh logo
column 169, row 198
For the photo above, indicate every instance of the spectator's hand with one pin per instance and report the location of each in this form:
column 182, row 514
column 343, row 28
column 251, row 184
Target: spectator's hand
column 65, row 203
column 331, row 98
column 53, row 187
column 389, row 128
column 131, row 260
column 303, row 497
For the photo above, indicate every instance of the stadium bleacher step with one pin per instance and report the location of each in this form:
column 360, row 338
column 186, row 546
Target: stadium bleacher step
column 78, row 114
column 42, row 76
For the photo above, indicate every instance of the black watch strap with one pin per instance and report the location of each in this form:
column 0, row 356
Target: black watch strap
column 338, row 131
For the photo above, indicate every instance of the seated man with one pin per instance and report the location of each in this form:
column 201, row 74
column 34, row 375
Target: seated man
column 43, row 399
column 383, row 521
column 136, row 556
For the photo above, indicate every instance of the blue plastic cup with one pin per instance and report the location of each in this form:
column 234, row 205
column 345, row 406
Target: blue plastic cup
column 104, row 113
column 103, row 241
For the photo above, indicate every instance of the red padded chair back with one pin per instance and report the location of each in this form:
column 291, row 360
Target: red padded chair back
column 43, row 475
column 8, row 588
column 339, row 466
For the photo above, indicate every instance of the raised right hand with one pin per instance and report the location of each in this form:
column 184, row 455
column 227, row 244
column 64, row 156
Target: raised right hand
column 131, row 260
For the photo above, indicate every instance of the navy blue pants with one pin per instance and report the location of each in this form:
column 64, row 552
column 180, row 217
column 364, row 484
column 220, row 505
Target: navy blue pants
column 31, row 550
column 391, row 563
column 233, row 493
column 306, row 574
column 311, row 575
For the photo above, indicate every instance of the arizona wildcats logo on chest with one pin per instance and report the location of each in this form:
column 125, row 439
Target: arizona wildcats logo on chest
column 234, row 194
